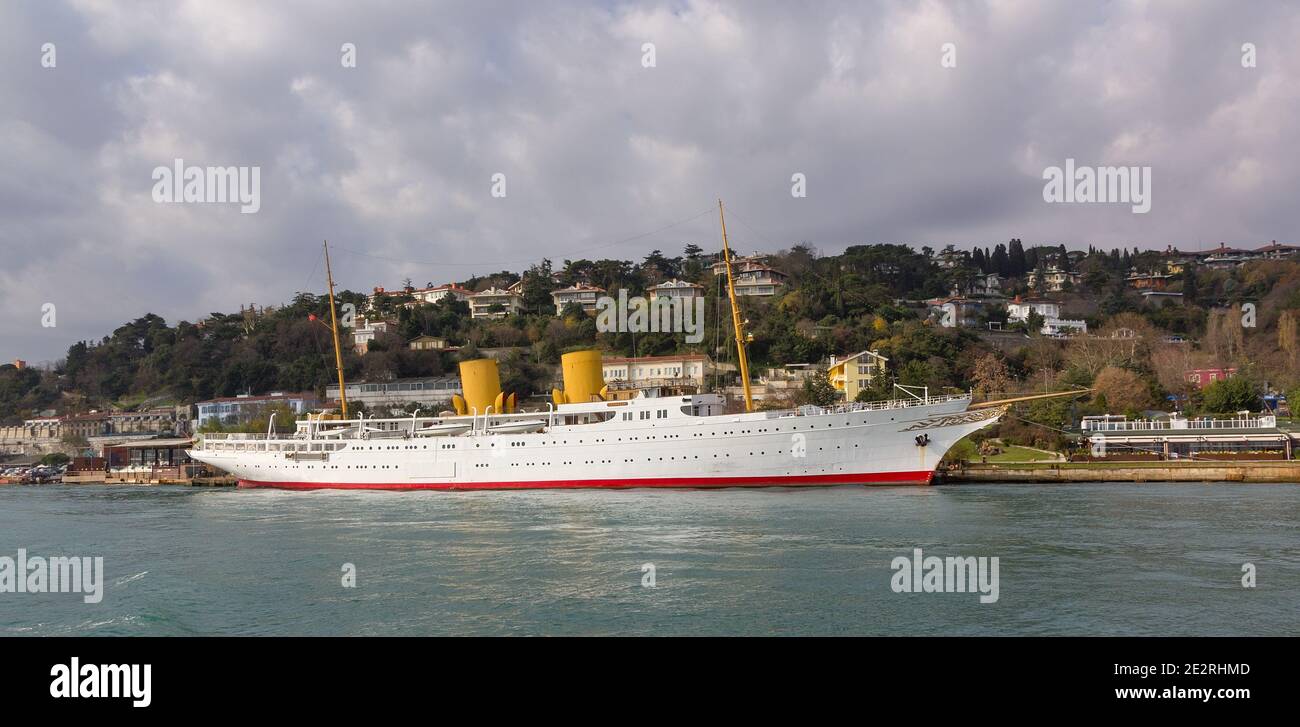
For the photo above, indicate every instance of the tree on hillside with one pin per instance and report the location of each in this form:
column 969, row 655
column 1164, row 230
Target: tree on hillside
column 1191, row 286
column 1287, row 334
column 1122, row 390
column 1224, row 334
column 991, row 375
column 1034, row 322
column 536, row 294
column 817, row 389
column 1016, row 257
column 1228, row 396
column 1000, row 263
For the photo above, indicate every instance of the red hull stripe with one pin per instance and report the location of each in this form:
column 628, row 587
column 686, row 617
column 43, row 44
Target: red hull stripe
column 876, row 478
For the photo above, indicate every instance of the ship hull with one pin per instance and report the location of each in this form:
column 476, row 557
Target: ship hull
column 880, row 478
column 654, row 447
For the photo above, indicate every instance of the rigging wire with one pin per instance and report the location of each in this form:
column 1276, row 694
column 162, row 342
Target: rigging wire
column 717, row 331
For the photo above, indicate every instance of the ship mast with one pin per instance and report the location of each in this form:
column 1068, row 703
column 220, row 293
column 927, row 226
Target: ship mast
column 735, row 315
column 334, row 328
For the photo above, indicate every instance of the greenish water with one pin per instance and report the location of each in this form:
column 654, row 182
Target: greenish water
column 1077, row 559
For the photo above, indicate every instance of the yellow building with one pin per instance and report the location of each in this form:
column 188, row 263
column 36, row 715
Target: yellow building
column 854, row 373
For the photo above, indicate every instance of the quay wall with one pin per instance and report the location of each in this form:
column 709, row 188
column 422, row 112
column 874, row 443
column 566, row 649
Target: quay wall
column 1261, row 471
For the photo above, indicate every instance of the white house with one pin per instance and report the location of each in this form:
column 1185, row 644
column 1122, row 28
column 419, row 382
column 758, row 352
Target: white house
column 1019, row 310
column 419, row 296
column 435, row 294
column 1063, row 327
column 657, row 370
column 676, row 289
column 759, row 280
column 483, row 304
column 581, row 294
column 366, row 330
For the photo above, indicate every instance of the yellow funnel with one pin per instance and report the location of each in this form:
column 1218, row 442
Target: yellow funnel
column 583, row 379
column 481, row 383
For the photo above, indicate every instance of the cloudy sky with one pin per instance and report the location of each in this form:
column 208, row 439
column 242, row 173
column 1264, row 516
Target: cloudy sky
column 393, row 160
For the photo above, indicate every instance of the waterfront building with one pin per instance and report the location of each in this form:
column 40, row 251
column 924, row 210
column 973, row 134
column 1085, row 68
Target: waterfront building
column 1018, row 310
column 780, row 382
column 158, row 420
column 1147, row 281
column 738, row 263
column 854, row 373
column 152, row 455
column 956, row 312
column 1243, row 437
column 244, row 408
column 1206, row 376
column 1059, row 327
column 427, row 343
column 420, row 296
column 434, row 294
column 753, row 276
column 85, row 426
column 1274, row 251
column 985, row 285
column 676, row 289
column 429, row 391
column 582, row 295
column 367, row 329
column 1224, row 257
column 759, row 281
column 1053, row 279
column 690, row 369
column 32, row 436
column 496, row 303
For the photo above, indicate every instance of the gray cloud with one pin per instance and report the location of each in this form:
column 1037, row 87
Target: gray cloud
column 394, row 158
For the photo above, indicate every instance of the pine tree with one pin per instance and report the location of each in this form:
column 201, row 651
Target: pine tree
column 1001, row 263
column 1016, row 251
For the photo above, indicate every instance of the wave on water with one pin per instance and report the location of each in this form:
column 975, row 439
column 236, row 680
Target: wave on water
column 127, row 579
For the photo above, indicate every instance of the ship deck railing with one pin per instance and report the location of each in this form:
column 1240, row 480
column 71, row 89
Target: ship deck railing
column 261, row 443
column 1181, row 424
column 856, row 406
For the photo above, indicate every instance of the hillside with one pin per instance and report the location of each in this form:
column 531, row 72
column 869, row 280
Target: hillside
column 869, row 297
